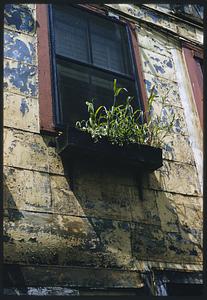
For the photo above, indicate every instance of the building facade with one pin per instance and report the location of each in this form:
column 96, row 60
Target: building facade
column 82, row 228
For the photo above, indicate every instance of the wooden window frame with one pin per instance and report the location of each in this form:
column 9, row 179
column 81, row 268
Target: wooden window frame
column 196, row 75
column 45, row 69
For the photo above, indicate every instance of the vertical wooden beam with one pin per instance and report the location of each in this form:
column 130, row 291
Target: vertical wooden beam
column 137, row 56
column 44, row 70
column 196, row 78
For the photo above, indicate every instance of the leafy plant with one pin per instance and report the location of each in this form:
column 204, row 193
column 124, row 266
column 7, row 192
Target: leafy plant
column 121, row 124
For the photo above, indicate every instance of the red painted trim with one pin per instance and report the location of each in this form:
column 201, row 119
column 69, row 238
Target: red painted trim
column 137, row 56
column 44, row 70
column 196, row 78
column 93, row 8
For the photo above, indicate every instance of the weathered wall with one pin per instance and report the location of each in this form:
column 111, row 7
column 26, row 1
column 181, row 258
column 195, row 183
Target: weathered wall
column 56, row 236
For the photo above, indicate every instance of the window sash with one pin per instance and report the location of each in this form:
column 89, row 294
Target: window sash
column 93, row 41
column 134, row 75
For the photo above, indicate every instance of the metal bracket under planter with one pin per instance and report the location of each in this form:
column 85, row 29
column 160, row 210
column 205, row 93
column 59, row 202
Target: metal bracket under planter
column 75, row 143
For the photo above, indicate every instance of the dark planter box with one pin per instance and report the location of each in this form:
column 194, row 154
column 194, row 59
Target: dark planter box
column 75, row 143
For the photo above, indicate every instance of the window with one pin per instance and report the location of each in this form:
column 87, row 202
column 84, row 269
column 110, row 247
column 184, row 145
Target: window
column 194, row 61
column 89, row 51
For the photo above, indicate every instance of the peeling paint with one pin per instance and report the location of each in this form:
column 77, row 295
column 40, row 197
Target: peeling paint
column 148, row 85
column 24, row 107
column 18, row 49
column 20, row 77
column 169, row 63
column 153, row 16
column 19, row 17
column 159, row 69
column 101, row 223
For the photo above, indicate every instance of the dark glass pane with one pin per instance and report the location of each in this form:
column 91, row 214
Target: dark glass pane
column 78, row 84
column 174, row 289
column 85, row 37
column 71, row 35
column 108, row 45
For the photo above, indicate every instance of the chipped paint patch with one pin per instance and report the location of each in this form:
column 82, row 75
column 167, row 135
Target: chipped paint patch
column 180, row 248
column 30, row 194
column 24, row 108
column 18, row 150
column 19, row 47
column 157, row 65
column 101, row 223
column 191, row 118
column 21, row 78
column 19, row 18
column 147, row 241
column 13, row 112
column 164, row 88
column 167, row 179
column 178, row 148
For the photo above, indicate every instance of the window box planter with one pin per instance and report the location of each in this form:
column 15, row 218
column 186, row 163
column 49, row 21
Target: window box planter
column 75, row 143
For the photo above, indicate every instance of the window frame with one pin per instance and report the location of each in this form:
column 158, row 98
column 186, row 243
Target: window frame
column 48, row 90
column 190, row 53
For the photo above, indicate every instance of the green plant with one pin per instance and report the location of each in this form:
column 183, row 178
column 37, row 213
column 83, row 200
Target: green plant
column 121, row 124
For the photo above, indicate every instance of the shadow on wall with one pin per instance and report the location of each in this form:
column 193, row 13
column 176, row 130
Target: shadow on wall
column 103, row 224
column 128, row 228
column 11, row 213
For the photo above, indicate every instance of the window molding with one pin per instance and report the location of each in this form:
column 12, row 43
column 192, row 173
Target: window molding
column 138, row 62
column 196, row 76
column 44, row 71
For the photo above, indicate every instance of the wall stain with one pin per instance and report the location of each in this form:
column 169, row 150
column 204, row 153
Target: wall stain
column 148, row 85
column 159, row 69
column 24, row 107
column 168, row 63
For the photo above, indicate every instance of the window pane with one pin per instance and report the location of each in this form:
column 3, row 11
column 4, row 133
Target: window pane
column 108, row 45
column 78, row 84
column 71, row 37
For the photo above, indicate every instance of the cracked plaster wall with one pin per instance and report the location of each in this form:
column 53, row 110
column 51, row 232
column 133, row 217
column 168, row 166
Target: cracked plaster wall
column 102, row 224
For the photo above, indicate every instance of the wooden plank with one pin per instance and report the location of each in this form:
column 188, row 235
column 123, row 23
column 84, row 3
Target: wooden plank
column 196, row 78
column 21, row 275
column 44, row 70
